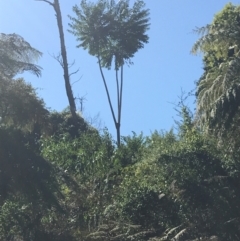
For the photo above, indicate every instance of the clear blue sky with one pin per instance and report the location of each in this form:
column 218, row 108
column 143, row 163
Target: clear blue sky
column 160, row 70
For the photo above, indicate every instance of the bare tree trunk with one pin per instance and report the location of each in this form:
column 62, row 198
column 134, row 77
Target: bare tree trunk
column 64, row 63
column 120, row 101
column 118, row 134
column 117, row 122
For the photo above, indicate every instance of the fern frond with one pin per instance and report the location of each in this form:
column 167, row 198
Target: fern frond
column 179, row 235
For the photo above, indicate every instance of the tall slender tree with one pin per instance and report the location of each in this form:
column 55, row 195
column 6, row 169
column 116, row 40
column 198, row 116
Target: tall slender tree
column 113, row 32
column 64, row 61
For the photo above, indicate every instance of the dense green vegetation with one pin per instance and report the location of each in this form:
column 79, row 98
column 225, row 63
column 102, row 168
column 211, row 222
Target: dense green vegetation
column 62, row 179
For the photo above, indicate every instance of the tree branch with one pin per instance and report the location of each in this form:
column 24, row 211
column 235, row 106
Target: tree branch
column 58, row 58
column 121, row 91
column 70, row 65
column 76, row 80
column 106, row 88
column 74, row 72
column 46, row 2
column 118, row 100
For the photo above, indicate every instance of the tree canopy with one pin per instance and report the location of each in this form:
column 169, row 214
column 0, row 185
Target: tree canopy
column 111, row 30
column 19, row 105
column 218, row 90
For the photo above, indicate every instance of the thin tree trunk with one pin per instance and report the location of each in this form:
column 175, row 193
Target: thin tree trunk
column 108, row 95
column 64, row 59
column 117, row 82
column 118, row 134
column 68, row 86
column 119, row 96
column 118, row 124
column 120, row 101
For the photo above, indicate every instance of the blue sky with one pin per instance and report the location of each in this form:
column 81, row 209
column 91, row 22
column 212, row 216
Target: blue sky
column 160, row 71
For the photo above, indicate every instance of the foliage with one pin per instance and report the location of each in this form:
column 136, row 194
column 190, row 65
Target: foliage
column 63, row 122
column 88, row 159
column 218, row 89
column 22, row 171
column 90, row 153
column 19, row 105
column 131, row 149
column 17, row 56
column 29, row 188
column 159, row 187
column 111, row 30
column 181, row 183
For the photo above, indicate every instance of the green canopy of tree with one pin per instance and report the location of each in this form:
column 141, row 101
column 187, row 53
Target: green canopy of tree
column 218, row 90
column 19, row 105
column 110, row 29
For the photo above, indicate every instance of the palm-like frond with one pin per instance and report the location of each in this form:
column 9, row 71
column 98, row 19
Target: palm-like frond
column 111, row 30
column 17, row 56
column 218, row 91
column 218, row 95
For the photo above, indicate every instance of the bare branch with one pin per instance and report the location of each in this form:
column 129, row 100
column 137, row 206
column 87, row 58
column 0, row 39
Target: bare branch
column 76, row 81
column 70, row 65
column 75, row 72
column 81, row 100
column 46, row 2
column 58, row 58
column 107, row 92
